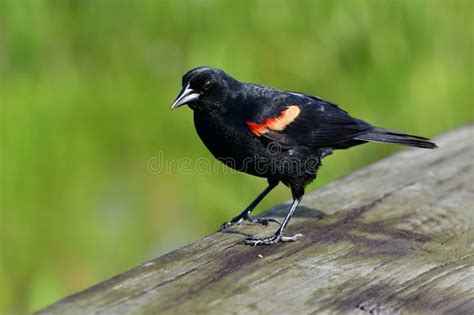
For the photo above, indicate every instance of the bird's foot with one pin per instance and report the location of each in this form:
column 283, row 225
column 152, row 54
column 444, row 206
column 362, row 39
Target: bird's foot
column 239, row 220
column 272, row 239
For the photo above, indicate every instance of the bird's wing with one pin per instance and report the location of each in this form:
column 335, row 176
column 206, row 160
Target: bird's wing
column 306, row 120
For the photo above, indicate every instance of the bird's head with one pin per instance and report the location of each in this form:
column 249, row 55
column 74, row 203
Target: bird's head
column 205, row 89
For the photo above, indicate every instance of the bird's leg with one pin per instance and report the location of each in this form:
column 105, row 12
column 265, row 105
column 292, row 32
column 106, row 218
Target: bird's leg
column 278, row 236
column 245, row 215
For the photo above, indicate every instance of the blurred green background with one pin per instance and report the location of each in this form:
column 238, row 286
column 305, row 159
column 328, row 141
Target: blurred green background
column 85, row 89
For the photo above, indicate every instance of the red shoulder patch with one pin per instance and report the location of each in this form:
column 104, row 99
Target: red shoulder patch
column 277, row 123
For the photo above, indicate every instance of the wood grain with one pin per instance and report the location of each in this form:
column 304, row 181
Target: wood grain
column 395, row 237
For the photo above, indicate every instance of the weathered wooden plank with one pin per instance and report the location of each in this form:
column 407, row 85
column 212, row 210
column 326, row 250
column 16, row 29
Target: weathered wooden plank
column 394, row 237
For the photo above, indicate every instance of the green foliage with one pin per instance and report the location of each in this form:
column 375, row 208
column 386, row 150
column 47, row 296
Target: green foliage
column 85, row 88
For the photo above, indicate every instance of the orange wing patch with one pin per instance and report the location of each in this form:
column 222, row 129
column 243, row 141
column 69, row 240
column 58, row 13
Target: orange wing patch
column 278, row 123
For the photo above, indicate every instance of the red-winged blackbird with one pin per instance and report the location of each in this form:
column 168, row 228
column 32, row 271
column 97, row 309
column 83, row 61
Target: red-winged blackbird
column 278, row 135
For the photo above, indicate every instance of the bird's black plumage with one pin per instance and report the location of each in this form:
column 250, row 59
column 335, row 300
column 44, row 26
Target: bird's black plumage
column 275, row 134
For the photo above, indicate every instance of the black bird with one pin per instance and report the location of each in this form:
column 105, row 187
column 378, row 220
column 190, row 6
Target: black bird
column 275, row 134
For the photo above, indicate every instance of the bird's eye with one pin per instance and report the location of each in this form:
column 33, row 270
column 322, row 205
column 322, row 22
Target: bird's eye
column 207, row 85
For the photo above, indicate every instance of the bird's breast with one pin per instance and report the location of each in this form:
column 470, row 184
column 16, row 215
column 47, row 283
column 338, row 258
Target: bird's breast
column 227, row 139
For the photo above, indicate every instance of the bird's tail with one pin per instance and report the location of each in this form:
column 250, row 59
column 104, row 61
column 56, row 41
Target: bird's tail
column 391, row 136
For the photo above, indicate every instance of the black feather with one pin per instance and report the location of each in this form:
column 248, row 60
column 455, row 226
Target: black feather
column 390, row 136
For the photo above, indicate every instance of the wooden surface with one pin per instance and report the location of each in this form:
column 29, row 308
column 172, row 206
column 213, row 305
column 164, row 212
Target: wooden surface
column 395, row 237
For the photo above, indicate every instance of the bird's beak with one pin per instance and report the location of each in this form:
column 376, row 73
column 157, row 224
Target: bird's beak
column 185, row 96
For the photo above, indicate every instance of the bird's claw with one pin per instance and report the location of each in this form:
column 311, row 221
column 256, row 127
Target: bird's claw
column 271, row 240
column 237, row 221
column 225, row 225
